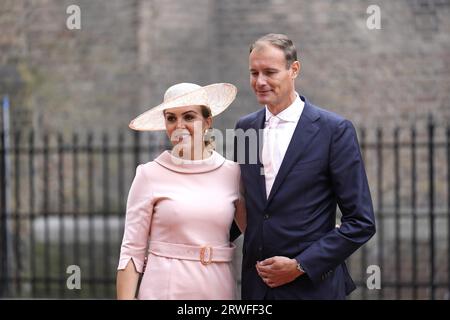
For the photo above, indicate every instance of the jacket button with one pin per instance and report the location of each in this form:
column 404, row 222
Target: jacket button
column 266, row 216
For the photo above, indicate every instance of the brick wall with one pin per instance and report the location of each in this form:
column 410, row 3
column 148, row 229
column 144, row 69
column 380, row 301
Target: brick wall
column 128, row 52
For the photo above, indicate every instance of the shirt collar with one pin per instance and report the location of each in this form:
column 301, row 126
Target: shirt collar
column 291, row 113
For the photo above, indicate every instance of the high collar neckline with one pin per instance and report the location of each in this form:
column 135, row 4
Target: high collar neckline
column 169, row 161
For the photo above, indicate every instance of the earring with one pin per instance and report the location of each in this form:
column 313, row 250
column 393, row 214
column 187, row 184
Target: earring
column 207, row 134
column 209, row 139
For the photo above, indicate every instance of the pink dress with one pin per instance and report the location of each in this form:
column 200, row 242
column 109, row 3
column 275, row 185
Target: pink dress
column 181, row 213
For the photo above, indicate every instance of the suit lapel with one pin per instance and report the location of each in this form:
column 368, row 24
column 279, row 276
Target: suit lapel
column 258, row 170
column 302, row 137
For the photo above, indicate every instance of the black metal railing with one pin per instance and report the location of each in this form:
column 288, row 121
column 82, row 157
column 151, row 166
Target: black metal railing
column 408, row 171
column 63, row 201
column 66, row 201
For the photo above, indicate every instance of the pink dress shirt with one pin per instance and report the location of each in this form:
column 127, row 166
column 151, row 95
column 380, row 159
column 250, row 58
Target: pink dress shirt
column 179, row 214
column 278, row 132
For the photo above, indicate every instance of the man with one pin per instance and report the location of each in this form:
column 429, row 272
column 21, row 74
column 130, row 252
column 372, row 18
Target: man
column 310, row 163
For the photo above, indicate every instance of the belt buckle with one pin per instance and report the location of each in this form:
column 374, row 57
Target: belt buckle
column 208, row 251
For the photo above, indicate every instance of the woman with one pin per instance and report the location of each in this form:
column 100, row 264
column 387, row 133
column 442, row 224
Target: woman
column 181, row 205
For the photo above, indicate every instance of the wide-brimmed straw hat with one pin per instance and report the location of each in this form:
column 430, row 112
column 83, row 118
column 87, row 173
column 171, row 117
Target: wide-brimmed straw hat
column 217, row 97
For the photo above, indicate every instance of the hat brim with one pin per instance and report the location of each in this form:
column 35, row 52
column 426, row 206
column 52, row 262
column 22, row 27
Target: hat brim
column 217, row 97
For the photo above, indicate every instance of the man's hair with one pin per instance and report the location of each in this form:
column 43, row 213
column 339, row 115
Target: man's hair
column 280, row 41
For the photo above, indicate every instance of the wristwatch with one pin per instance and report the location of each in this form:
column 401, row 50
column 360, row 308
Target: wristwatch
column 300, row 267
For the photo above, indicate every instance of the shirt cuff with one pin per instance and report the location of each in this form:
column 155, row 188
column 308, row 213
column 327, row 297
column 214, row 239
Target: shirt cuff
column 138, row 264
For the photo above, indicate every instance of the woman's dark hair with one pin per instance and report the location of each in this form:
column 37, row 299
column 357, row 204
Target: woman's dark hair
column 206, row 112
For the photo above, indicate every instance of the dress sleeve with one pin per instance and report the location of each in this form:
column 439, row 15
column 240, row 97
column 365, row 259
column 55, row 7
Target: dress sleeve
column 137, row 222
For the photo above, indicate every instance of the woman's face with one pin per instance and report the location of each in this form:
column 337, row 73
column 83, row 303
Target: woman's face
column 185, row 127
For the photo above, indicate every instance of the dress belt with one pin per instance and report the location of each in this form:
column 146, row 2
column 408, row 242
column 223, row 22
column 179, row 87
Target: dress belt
column 205, row 254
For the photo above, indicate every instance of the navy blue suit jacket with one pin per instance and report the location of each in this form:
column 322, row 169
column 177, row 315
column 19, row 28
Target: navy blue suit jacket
column 322, row 168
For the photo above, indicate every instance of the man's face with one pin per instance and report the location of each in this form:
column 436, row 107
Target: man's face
column 271, row 81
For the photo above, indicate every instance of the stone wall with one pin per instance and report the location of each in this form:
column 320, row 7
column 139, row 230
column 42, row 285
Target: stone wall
column 129, row 51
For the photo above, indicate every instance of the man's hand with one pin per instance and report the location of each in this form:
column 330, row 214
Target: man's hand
column 277, row 271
